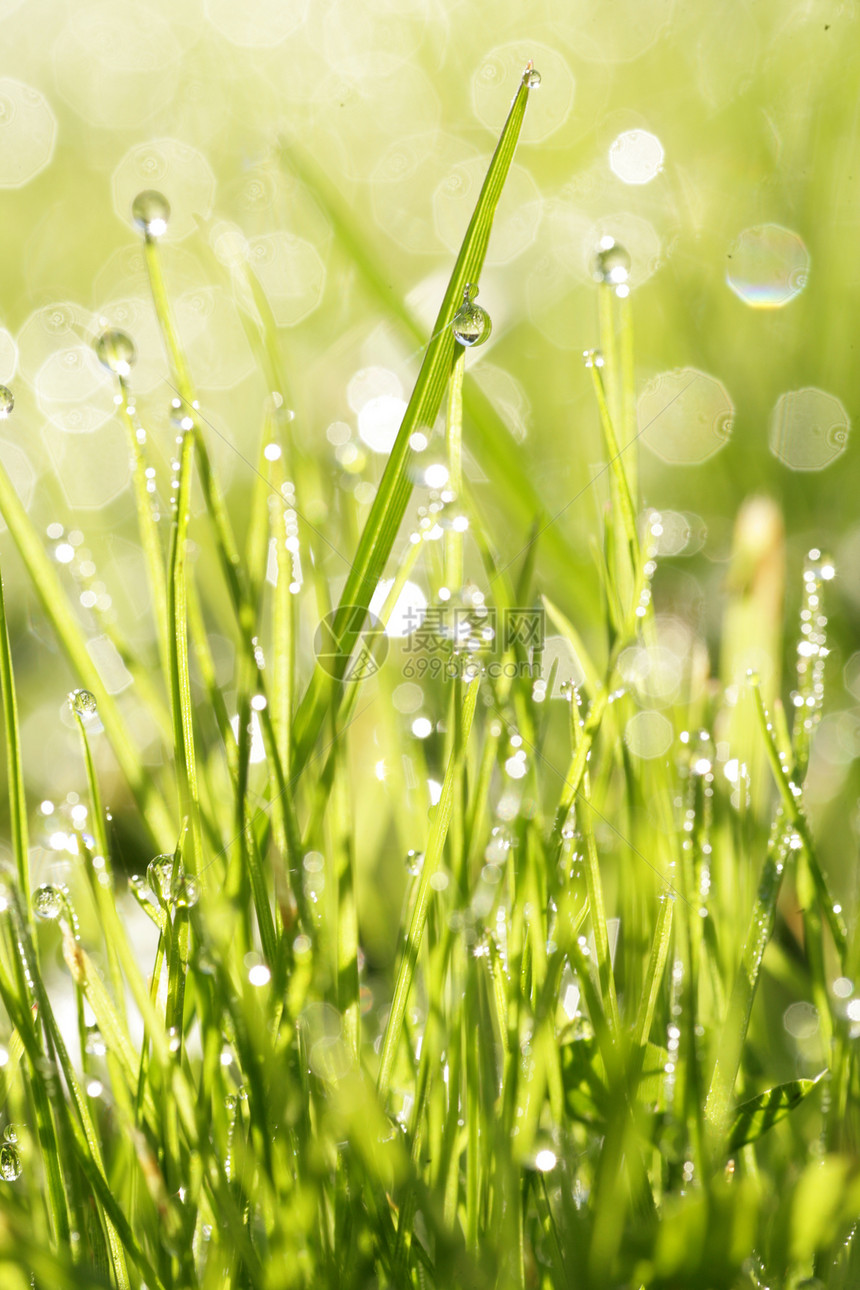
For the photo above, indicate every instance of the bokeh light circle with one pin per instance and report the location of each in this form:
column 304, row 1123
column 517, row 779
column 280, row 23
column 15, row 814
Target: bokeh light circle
column 636, row 157
column 685, row 416
column 809, row 429
column 648, row 734
column 767, row 266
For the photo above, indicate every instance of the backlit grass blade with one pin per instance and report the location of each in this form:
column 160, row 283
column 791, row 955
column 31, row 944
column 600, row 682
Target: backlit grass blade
column 395, row 486
column 14, row 770
column 760, row 1113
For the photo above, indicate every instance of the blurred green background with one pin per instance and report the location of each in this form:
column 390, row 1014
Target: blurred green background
column 719, row 144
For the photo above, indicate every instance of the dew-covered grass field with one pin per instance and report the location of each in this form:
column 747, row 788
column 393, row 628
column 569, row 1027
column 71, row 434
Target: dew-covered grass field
column 428, row 647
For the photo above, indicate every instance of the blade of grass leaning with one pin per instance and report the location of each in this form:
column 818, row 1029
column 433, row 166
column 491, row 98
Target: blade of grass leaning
column 495, row 447
column 180, row 680
column 395, row 486
column 225, row 542
column 147, row 527
column 760, row 1113
column 792, row 803
column 14, row 770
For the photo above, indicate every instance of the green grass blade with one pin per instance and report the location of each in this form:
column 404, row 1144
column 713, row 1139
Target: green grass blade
column 760, row 1113
column 14, row 768
column 395, row 486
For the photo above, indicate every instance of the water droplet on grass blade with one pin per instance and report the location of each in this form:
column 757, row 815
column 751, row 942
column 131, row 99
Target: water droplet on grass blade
column 7, row 401
column 151, row 211
column 48, row 901
column 611, row 262
column 819, row 566
column 95, row 1044
column 115, row 350
column 83, row 703
column 184, row 889
column 472, row 325
column 10, row 1162
column 531, row 76
column 159, row 876
column 10, row 1133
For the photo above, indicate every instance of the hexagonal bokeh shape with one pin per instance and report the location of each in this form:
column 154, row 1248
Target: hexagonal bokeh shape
column 292, row 274
column 170, row 167
column 685, row 416
column 49, row 329
column 91, row 471
column 809, row 429
column 74, row 391
column 21, row 472
column 28, row 130
column 636, row 156
column 767, row 266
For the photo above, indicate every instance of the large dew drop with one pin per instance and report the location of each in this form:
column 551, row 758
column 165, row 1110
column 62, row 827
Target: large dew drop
column 472, row 324
column 611, row 262
column 48, row 901
column 159, row 875
column 115, row 350
column 7, row 401
column 531, row 76
column 83, row 703
column 10, row 1162
column 151, row 211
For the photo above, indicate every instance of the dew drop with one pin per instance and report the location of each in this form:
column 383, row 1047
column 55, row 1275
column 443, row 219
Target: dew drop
column 115, row 350
column 592, row 357
column 83, row 703
column 94, row 1043
column 611, row 262
column 531, row 77
column 7, row 401
column 10, row 1162
column 472, row 324
column 184, row 889
column 48, row 901
column 11, row 1133
column 159, row 876
column 151, row 211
